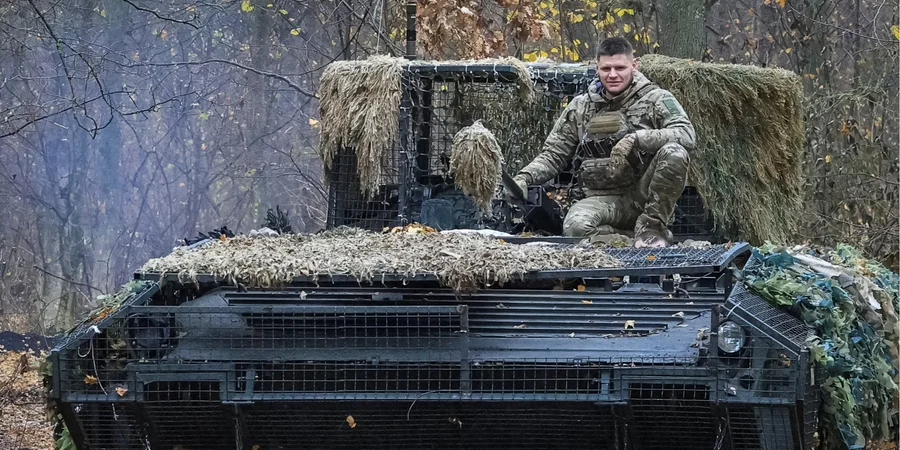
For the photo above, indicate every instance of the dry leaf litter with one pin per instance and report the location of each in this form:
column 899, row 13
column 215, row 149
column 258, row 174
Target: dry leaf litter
column 461, row 261
column 24, row 422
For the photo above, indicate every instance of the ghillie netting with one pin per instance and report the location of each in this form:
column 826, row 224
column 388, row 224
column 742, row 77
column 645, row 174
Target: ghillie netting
column 476, row 162
column 359, row 106
column 749, row 124
column 461, row 261
column 851, row 303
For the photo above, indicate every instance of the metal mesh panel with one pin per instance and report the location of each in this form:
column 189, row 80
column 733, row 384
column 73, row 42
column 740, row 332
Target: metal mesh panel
column 746, row 304
column 188, row 414
column 351, row 377
column 437, row 102
column 109, row 426
column 348, row 206
column 672, row 416
column 428, row 424
column 760, row 428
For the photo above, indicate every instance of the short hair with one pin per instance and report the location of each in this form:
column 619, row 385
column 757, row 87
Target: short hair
column 614, row 46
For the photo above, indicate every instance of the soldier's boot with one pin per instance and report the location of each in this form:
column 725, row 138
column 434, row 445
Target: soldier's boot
column 600, row 215
column 659, row 190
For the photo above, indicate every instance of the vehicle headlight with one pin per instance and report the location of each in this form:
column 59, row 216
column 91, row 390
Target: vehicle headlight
column 731, row 337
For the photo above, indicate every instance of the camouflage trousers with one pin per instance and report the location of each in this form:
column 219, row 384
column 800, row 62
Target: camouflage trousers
column 648, row 204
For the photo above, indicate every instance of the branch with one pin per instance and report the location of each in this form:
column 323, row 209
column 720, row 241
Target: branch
column 184, row 22
column 276, row 76
column 76, row 283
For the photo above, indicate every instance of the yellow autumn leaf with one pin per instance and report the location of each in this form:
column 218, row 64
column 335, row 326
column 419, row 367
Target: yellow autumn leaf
column 626, row 28
column 313, row 123
column 587, row 302
column 895, row 30
column 622, row 11
column 543, row 54
column 827, row 159
column 246, row 6
column 530, row 56
column 102, row 13
column 781, row 3
column 351, row 422
column 295, row 32
column 283, row 12
column 90, row 379
column 163, row 34
column 788, row 50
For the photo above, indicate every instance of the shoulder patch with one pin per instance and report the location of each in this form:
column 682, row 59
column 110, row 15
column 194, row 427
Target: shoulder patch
column 672, row 106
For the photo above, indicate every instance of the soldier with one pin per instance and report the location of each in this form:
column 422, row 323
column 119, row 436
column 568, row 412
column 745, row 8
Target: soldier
column 628, row 142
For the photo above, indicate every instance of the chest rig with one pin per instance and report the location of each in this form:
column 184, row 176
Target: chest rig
column 607, row 125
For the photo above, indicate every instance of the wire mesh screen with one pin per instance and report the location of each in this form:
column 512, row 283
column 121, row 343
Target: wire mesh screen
column 438, row 101
column 342, row 367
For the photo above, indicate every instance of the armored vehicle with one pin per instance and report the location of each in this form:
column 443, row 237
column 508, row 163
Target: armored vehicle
column 662, row 351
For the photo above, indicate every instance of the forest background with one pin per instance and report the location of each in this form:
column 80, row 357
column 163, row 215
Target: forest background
column 126, row 125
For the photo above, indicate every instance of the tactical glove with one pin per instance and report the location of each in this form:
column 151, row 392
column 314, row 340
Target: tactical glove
column 522, row 182
column 623, row 148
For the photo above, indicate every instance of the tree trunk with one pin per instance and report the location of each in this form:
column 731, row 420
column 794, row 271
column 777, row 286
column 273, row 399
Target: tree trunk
column 682, row 28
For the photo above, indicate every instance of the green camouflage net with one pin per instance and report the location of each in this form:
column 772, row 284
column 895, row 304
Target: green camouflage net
column 851, row 304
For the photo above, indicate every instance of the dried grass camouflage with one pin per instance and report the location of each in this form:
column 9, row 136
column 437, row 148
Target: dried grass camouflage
column 463, row 262
column 475, row 162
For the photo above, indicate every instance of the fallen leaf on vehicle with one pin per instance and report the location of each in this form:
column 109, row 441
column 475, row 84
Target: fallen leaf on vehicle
column 651, row 258
column 629, row 324
column 679, row 314
column 581, row 287
column 90, row 379
column 121, row 391
column 521, row 326
column 587, row 302
column 255, row 447
column 571, row 335
column 351, row 422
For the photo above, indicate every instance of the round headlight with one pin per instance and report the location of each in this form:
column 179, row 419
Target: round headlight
column 731, row 337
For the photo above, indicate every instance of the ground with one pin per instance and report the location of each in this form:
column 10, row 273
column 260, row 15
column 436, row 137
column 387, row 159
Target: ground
column 23, row 418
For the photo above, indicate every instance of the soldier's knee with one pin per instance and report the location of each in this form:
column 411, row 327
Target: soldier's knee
column 577, row 227
column 674, row 154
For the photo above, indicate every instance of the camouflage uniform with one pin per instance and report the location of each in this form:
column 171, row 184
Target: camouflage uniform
column 622, row 198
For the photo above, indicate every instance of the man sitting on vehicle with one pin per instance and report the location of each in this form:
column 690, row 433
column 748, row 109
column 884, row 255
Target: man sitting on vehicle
column 627, row 141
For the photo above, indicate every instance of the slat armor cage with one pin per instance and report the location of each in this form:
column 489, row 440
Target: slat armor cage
column 439, row 100
column 333, row 363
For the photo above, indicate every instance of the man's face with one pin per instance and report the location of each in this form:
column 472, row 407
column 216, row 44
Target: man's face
column 616, row 72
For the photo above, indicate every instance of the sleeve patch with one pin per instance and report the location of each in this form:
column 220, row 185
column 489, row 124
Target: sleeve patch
column 672, row 106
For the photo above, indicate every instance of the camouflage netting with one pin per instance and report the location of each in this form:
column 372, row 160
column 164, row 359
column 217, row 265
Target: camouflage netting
column 851, row 303
column 749, row 123
column 359, row 105
column 476, row 162
column 463, row 262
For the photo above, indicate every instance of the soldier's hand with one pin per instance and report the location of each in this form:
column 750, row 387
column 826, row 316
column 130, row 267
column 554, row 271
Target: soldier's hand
column 623, row 148
column 522, row 183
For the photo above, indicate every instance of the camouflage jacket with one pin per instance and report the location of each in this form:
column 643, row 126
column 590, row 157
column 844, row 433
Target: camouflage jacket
column 652, row 113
